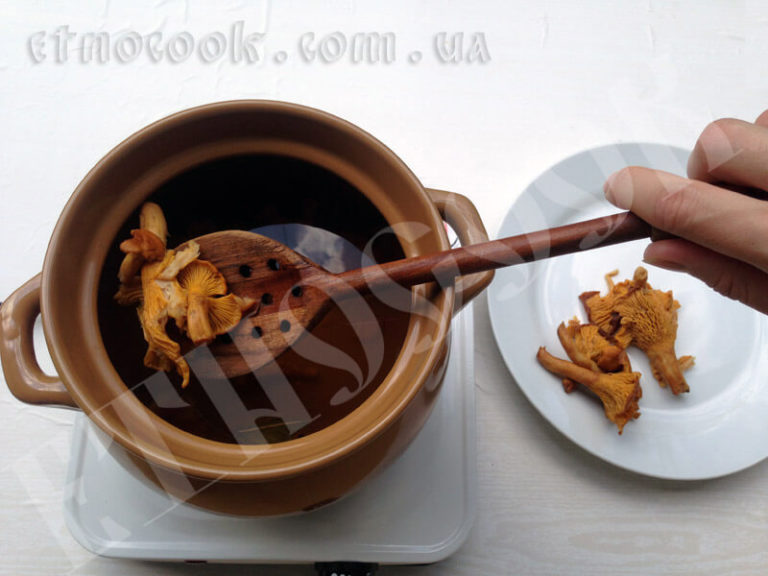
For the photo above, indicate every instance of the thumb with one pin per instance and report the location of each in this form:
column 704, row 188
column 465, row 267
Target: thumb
column 732, row 278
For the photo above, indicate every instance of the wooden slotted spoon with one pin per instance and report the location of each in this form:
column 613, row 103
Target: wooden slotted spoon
column 292, row 293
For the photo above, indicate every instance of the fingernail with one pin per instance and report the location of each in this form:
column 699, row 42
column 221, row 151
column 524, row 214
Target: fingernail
column 666, row 264
column 618, row 190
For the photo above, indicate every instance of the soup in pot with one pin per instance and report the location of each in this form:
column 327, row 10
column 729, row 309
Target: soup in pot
column 328, row 373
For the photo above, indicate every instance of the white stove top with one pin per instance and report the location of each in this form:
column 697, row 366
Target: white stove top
column 418, row 510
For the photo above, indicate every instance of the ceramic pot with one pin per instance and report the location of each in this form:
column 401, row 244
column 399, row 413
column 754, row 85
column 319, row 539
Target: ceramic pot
column 69, row 295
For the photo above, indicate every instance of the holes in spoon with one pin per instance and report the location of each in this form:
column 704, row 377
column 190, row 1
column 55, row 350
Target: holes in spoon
column 245, row 271
column 285, row 326
column 273, row 264
column 266, row 299
column 257, row 332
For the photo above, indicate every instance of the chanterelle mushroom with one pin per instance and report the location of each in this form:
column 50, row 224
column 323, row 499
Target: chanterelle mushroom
column 633, row 312
column 173, row 284
column 147, row 243
column 163, row 298
column 618, row 391
column 601, row 310
column 209, row 311
column 587, row 347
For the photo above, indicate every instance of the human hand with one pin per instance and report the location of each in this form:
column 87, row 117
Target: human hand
column 722, row 235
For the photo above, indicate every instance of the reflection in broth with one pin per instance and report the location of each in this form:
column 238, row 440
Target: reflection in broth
column 330, row 371
column 322, row 247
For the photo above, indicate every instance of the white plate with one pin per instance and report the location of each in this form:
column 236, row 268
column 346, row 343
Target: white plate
column 721, row 426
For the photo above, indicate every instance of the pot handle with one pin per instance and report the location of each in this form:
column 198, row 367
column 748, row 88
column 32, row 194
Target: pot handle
column 459, row 212
column 23, row 374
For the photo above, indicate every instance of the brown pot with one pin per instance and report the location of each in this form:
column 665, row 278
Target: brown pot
column 73, row 288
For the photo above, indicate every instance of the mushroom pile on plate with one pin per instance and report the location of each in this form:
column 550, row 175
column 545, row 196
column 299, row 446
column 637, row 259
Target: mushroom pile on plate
column 631, row 313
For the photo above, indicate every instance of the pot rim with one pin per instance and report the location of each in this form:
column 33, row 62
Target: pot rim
column 268, row 461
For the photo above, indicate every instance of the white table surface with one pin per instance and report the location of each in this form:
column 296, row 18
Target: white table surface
column 562, row 76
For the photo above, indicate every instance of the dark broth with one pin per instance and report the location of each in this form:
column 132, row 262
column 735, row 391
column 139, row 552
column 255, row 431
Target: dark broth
column 320, row 215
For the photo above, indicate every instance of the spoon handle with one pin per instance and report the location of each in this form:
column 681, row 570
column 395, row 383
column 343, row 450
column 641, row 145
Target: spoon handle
column 444, row 266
